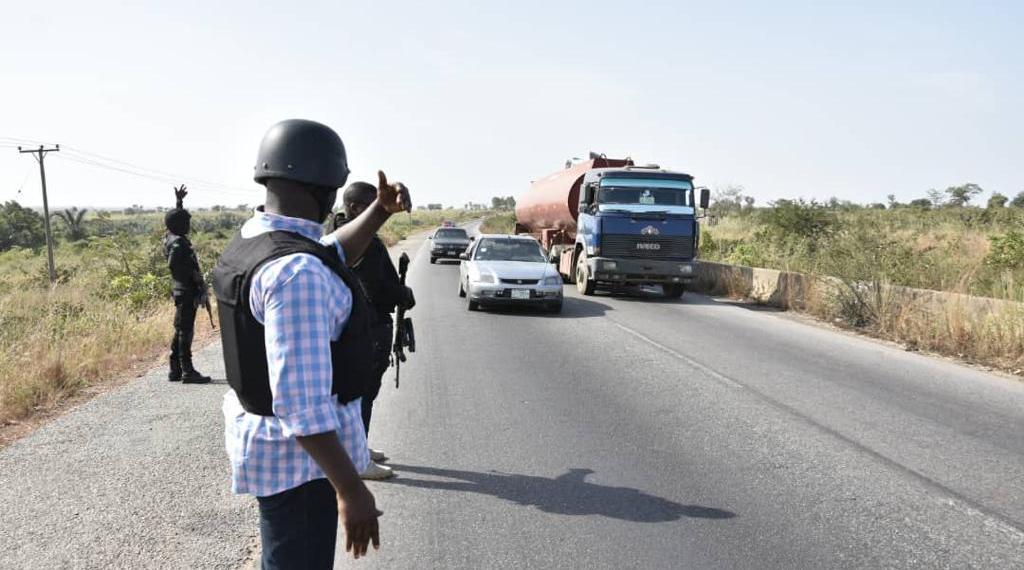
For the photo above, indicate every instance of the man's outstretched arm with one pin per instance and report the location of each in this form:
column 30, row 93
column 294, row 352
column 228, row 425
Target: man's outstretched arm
column 355, row 236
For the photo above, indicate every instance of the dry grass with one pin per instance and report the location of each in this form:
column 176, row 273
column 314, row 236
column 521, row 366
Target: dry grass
column 500, row 223
column 978, row 330
column 921, row 278
column 55, row 342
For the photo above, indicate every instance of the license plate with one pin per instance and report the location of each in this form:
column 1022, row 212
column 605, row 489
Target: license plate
column 520, row 293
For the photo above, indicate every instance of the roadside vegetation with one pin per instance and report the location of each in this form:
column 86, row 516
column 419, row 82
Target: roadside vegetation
column 938, row 243
column 499, row 223
column 110, row 308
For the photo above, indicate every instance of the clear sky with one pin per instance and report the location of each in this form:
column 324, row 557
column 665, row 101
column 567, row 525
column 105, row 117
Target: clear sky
column 467, row 100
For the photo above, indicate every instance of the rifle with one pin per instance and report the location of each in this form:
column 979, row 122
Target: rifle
column 404, row 335
column 209, row 313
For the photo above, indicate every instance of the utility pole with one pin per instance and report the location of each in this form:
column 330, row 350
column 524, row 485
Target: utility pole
column 40, row 156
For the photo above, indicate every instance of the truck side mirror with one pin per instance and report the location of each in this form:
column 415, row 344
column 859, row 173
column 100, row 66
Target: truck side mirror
column 588, row 194
column 705, row 198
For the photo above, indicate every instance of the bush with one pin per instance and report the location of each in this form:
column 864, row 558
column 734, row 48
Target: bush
column 1007, row 251
column 20, row 227
column 801, row 219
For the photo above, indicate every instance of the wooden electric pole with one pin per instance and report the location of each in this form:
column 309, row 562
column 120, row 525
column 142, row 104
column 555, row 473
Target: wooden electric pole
column 40, row 156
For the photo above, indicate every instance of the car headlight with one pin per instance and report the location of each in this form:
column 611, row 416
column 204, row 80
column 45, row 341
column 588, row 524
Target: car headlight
column 553, row 281
column 485, row 278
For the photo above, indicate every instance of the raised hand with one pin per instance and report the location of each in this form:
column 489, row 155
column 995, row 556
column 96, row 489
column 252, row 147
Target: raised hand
column 393, row 197
column 179, row 193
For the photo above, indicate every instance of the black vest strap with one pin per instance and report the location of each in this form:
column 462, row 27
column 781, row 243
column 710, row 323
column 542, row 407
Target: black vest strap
column 243, row 337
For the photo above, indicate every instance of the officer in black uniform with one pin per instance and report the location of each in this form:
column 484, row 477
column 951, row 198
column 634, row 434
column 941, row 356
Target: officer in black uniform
column 385, row 291
column 189, row 291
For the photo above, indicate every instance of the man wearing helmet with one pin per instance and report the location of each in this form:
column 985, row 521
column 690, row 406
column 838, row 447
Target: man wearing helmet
column 298, row 352
column 188, row 289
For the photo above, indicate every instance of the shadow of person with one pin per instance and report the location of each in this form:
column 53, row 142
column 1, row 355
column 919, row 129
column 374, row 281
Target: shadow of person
column 567, row 494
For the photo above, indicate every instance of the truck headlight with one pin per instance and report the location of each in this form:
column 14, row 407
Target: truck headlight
column 609, row 265
column 687, row 269
column 552, row 281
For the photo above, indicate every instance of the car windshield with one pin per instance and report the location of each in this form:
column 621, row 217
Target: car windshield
column 509, row 250
column 646, row 192
column 451, row 233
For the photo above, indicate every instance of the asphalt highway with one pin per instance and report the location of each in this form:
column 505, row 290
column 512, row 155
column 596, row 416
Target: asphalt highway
column 626, row 432
column 641, row 433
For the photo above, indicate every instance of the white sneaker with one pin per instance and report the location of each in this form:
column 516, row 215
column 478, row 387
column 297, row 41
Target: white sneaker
column 375, row 472
column 377, row 456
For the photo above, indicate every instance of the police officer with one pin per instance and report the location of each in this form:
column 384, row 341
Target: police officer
column 385, row 291
column 298, row 351
column 189, row 291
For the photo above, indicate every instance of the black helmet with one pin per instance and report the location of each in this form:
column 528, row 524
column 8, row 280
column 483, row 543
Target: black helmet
column 302, row 151
column 178, row 221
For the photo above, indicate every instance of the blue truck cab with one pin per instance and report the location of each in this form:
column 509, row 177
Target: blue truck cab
column 636, row 226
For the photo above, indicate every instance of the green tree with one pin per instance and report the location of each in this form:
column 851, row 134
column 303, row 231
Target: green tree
column 1018, row 201
column 937, row 198
column 21, row 227
column 960, row 196
column 74, row 229
column 921, row 203
column 997, row 200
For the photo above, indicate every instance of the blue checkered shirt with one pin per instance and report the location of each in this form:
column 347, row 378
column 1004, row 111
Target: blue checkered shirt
column 303, row 306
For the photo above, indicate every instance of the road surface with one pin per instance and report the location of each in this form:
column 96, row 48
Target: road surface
column 623, row 433
column 641, row 433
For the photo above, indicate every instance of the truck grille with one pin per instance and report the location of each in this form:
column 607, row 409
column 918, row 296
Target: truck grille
column 649, row 247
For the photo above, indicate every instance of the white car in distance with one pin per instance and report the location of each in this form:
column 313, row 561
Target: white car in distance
column 507, row 270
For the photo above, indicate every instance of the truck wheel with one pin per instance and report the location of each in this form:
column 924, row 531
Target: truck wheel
column 584, row 284
column 673, row 291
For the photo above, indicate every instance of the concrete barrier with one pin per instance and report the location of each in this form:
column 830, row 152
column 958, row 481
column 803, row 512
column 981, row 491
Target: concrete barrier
column 789, row 289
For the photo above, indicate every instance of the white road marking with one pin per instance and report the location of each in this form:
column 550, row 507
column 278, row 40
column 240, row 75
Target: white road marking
column 713, row 374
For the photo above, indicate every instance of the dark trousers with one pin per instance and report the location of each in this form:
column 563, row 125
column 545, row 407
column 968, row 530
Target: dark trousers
column 383, row 335
column 299, row 527
column 184, row 328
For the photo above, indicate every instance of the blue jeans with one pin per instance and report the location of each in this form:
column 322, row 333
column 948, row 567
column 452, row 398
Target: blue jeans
column 299, row 527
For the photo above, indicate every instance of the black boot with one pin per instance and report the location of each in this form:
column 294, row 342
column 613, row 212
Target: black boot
column 189, row 375
column 175, row 373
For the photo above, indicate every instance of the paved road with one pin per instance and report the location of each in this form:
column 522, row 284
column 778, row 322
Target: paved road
column 632, row 433
column 623, row 433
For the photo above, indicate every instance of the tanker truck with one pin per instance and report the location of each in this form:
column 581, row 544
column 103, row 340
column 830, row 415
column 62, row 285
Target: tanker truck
column 608, row 224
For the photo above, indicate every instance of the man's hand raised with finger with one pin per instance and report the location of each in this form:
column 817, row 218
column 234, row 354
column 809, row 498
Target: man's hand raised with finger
column 393, row 197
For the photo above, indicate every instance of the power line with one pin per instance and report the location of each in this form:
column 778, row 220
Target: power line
column 223, row 191
column 97, row 160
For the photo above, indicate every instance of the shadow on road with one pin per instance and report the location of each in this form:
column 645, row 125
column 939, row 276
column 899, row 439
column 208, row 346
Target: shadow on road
column 567, row 494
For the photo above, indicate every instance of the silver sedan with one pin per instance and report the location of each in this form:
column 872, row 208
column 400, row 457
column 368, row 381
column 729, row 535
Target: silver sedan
column 508, row 270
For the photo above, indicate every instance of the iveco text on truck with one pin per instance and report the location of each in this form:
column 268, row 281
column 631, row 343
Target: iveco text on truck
column 610, row 223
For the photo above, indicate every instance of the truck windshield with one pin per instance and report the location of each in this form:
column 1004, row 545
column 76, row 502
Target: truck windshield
column 646, row 192
column 509, row 250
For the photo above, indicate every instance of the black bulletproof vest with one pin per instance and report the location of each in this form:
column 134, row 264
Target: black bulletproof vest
column 245, row 351
column 181, row 265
